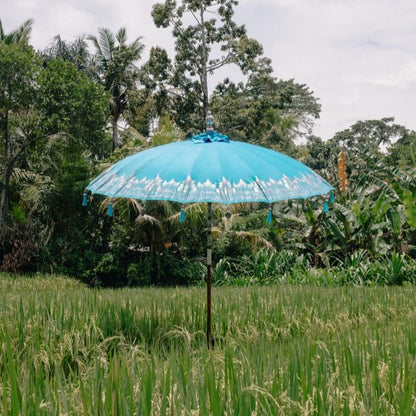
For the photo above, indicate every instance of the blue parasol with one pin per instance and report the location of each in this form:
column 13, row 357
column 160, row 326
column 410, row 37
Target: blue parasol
column 209, row 168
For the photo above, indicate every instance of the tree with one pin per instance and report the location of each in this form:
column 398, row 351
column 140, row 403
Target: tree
column 269, row 111
column 18, row 67
column 116, row 71
column 374, row 136
column 75, row 52
column 52, row 119
column 73, row 104
column 321, row 157
column 159, row 98
column 401, row 153
column 210, row 42
column 19, row 36
column 19, row 127
column 73, row 111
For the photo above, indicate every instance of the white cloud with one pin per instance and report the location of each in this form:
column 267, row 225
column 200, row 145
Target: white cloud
column 358, row 56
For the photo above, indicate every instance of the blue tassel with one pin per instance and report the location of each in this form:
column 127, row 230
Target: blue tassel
column 110, row 209
column 269, row 215
column 182, row 215
column 84, row 200
column 326, row 207
column 331, row 197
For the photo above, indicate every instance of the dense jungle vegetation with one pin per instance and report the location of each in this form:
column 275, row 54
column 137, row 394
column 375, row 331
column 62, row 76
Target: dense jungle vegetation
column 69, row 111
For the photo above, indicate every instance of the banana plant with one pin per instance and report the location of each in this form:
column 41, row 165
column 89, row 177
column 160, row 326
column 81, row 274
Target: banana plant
column 400, row 185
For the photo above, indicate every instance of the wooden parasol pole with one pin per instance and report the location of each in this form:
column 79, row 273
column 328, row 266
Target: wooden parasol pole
column 209, row 126
column 209, row 273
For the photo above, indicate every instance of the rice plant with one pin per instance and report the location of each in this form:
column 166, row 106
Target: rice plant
column 66, row 349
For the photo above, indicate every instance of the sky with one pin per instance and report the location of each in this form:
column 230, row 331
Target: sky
column 357, row 56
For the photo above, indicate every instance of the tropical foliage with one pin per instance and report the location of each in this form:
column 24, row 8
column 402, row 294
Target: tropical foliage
column 60, row 112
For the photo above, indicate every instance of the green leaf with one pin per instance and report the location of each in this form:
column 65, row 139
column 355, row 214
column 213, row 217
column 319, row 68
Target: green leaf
column 410, row 208
column 395, row 221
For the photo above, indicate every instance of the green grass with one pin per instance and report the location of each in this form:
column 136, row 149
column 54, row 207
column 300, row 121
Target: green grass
column 69, row 350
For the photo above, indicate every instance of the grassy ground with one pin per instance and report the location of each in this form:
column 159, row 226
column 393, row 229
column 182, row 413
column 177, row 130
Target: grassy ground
column 69, row 350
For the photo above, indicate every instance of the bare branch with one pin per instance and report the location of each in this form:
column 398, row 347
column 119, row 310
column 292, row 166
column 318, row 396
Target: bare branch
column 224, row 61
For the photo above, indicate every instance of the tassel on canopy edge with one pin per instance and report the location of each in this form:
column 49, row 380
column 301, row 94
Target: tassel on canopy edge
column 329, row 200
column 110, row 208
column 269, row 215
column 182, row 215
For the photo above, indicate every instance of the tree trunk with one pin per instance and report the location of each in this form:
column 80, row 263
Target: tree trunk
column 204, row 59
column 4, row 203
column 4, row 195
column 115, row 133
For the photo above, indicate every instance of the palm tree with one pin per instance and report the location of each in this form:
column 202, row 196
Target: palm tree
column 20, row 35
column 115, row 70
column 75, row 52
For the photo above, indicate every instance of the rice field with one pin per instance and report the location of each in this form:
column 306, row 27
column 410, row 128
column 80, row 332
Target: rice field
column 279, row 350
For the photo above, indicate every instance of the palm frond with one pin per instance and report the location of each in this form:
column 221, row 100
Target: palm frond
column 20, row 35
column 194, row 211
column 22, row 175
column 107, row 43
column 121, row 36
column 254, row 238
column 256, row 241
column 137, row 46
column 150, row 220
column 94, row 40
column 24, row 31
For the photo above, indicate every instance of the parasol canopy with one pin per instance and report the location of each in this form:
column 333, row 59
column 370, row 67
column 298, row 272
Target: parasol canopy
column 209, row 168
